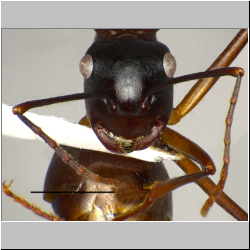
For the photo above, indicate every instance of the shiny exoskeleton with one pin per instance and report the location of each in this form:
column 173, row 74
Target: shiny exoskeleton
column 126, row 64
column 129, row 100
column 123, row 66
column 135, row 174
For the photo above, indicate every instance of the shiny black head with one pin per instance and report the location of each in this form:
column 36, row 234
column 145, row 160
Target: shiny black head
column 126, row 68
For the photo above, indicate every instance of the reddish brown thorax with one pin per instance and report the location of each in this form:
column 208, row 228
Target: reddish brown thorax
column 108, row 35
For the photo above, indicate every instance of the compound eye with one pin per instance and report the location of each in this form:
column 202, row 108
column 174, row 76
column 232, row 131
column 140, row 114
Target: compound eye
column 169, row 65
column 86, row 66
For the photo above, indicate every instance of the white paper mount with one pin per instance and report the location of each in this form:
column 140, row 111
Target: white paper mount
column 69, row 134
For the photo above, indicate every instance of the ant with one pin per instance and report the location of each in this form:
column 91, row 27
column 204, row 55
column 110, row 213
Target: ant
column 177, row 89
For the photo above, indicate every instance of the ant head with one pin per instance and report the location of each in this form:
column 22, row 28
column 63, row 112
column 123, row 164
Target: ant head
column 127, row 68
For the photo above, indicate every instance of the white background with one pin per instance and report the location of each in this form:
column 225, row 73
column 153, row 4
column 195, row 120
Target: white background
column 40, row 64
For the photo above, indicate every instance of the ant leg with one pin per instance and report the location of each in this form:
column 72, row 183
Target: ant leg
column 159, row 189
column 191, row 150
column 199, row 91
column 201, row 88
column 226, row 158
column 65, row 156
column 208, row 186
column 85, row 121
column 28, row 205
column 20, row 109
column 188, row 148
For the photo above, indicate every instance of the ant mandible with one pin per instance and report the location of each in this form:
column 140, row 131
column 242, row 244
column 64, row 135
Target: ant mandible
column 175, row 56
